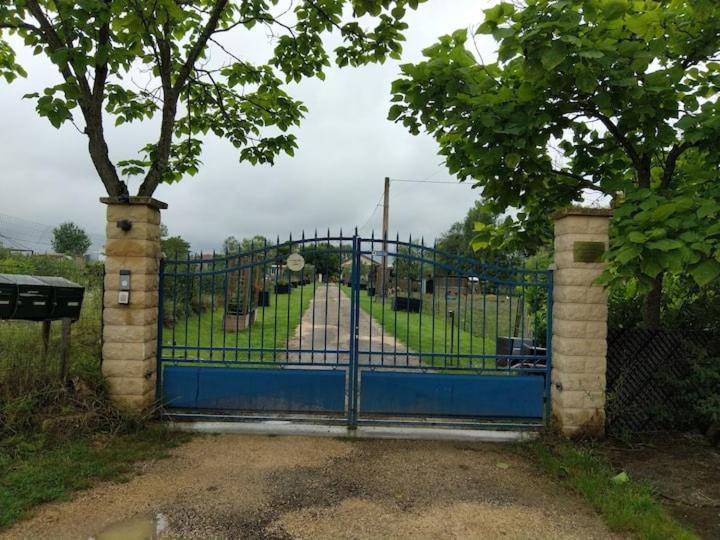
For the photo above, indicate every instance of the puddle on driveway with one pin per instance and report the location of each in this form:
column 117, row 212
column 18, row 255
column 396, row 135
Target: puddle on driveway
column 141, row 527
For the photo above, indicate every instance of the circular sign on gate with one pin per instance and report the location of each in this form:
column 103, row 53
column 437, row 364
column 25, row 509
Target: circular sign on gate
column 295, row 262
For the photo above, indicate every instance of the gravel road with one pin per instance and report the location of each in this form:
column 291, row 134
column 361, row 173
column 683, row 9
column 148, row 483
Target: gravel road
column 239, row 486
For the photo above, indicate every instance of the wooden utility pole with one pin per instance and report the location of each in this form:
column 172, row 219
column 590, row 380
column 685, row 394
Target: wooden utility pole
column 385, row 226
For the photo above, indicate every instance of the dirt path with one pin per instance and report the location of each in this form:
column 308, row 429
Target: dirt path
column 235, row 486
column 325, row 325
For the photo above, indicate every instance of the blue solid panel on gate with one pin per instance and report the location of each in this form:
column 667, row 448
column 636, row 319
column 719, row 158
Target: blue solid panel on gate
column 451, row 395
column 277, row 390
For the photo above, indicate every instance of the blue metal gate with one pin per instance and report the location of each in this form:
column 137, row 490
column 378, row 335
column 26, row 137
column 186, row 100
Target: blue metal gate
column 352, row 330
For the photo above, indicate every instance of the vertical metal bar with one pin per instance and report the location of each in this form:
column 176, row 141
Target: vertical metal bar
column 199, row 307
column 511, row 330
column 265, row 293
column 312, row 337
column 250, row 302
column 339, row 293
column 302, row 290
column 225, row 303
column 353, row 370
column 548, row 344
column 458, row 318
column 188, row 292
column 384, row 291
column 409, row 296
column 395, row 271
column 435, row 289
column 421, row 293
column 275, row 288
column 472, row 316
column 212, row 308
column 159, row 345
column 484, row 325
column 175, row 317
column 289, row 298
column 497, row 321
column 372, row 273
column 445, row 322
column 327, row 287
column 238, row 273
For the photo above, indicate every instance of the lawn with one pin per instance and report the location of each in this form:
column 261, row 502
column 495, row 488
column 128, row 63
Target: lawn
column 34, row 470
column 431, row 336
column 274, row 327
column 626, row 505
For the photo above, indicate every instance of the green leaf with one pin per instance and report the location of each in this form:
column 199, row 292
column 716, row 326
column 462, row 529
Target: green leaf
column 637, row 237
column 586, row 82
column 512, row 160
column 554, row 56
column 621, row 478
column 614, row 9
column 666, row 244
column 705, row 272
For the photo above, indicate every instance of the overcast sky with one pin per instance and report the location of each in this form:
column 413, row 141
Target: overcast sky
column 346, row 148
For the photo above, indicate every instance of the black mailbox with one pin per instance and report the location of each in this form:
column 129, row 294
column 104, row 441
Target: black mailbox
column 33, row 298
column 38, row 298
column 8, row 297
column 67, row 297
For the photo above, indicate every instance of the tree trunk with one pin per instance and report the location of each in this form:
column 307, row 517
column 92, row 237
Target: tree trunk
column 651, row 307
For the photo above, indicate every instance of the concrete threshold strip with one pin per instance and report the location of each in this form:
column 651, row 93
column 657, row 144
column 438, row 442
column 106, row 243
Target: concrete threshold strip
column 286, row 427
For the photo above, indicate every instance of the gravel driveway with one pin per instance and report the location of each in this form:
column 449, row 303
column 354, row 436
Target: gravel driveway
column 326, row 326
column 239, row 486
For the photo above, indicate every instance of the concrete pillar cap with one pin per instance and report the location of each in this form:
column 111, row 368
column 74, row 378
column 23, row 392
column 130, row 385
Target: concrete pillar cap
column 585, row 212
column 135, row 200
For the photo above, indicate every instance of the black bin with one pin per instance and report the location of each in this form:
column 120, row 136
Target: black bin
column 404, row 303
column 67, row 297
column 511, row 346
column 8, row 297
column 263, row 299
column 34, row 298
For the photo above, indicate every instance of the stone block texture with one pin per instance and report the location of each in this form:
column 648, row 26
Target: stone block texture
column 579, row 344
column 130, row 330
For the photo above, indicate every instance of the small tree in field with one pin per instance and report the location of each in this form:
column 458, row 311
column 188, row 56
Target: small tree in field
column 612, row 97
column 192, row 79
column 69, row 239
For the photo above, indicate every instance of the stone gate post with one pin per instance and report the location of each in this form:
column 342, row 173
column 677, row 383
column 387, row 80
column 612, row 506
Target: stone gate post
column 132, row 252
column 579, row 321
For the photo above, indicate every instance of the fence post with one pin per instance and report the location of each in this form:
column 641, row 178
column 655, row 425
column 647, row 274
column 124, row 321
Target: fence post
column 130, row 324
column 579, row 335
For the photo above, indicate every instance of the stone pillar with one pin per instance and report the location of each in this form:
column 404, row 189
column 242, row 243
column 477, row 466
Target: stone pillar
column 579, row 318
column 130, row 329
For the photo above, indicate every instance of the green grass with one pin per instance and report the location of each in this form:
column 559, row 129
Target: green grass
column 427, row 334
column 31, row 473
column 628, row 506
column 274, row 326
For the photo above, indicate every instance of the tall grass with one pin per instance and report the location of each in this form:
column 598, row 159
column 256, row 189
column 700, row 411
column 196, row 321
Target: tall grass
column 59, row 435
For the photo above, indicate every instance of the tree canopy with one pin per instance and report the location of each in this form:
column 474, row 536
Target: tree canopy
column 135, row 60
column 70, row 239
column 591, row 98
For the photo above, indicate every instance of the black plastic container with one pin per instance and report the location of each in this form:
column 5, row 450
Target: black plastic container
column 404, row 303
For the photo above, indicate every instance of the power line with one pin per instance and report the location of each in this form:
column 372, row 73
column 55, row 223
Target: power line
column 455, row 182
column 367, row 221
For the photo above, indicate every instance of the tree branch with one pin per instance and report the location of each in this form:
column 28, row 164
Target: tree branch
column 20, row 26
column 670, row 163
column 199, row 44
column 90, row 105
column 584, row 182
